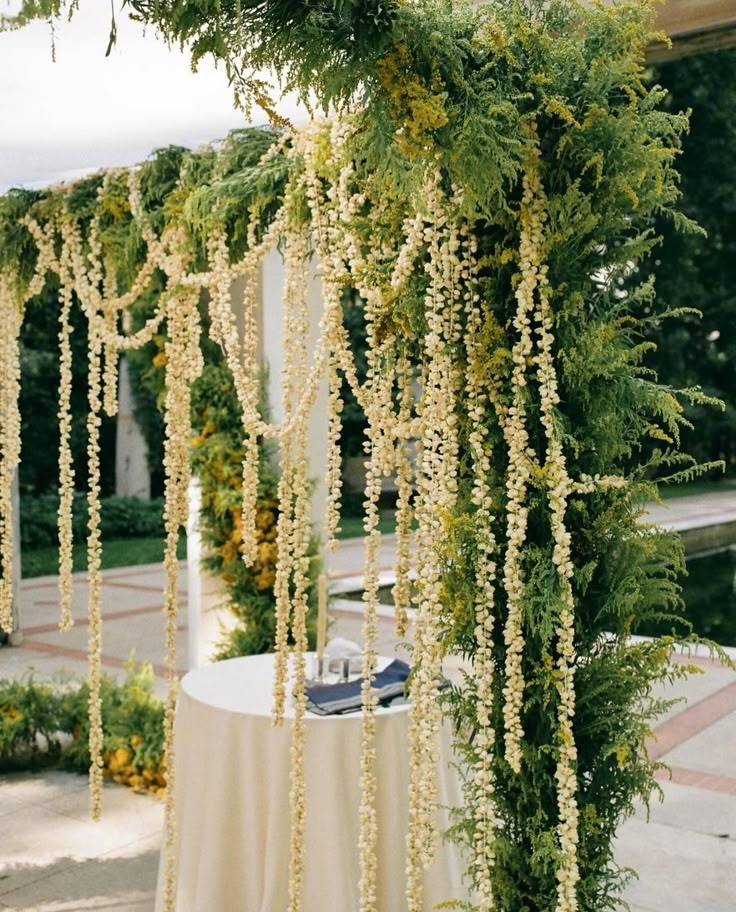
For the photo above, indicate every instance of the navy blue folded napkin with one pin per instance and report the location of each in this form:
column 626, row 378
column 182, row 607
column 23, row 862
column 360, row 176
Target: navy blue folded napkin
column 332, row 699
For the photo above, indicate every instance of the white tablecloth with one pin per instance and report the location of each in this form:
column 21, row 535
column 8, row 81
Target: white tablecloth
column 232, row 801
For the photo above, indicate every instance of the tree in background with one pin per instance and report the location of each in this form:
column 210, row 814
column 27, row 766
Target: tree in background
column 39, row 469
column 699, row 270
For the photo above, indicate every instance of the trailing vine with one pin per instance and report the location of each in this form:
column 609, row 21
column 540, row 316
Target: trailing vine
column 491, row 177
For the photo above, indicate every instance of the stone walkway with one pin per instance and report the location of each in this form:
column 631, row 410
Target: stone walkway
column 705, row 521
column 695, row 510
column 54, row 859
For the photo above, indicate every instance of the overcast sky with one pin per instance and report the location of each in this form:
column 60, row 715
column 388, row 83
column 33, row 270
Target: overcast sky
column 86, row 111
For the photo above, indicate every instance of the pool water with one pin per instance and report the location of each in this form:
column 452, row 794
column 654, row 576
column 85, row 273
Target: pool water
column 709, row 591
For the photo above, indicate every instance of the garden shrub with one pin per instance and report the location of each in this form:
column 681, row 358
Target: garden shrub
column 122, row 517
column 46, row 724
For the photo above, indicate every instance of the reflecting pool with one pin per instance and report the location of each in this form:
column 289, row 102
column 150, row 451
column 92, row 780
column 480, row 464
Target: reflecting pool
column 709, row 591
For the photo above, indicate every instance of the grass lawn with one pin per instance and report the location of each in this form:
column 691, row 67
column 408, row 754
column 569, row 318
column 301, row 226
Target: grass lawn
column 128, row 552
column 352, row 526
column 121, row 552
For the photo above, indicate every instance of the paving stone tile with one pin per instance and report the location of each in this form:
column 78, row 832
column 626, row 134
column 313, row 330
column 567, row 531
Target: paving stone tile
column 120, row 881
column 693, row 689
column 38, row 842
column 679, row 870
column 17, row 663
column 711, row 751
column 694, row 809
column 123, row 810
column 39, row 788
column 120, row 637
column 9, row 804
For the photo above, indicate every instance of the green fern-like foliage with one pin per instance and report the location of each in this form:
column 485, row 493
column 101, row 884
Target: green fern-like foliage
column 440, row 86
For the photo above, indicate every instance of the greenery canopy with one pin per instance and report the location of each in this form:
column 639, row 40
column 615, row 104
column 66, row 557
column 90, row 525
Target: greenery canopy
column 489, row 191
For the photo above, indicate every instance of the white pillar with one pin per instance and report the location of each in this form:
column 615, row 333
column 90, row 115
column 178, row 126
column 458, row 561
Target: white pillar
column 208, row 615
column 194, row 576
column 132, row 477
column 206, row 593
column 272, row 333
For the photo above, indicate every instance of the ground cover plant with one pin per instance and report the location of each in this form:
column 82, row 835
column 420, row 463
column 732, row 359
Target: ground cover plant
column 47, row 724
column 488, row 189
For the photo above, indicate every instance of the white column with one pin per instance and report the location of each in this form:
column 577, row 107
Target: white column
column 206, row 593
column 132, row 477
column 272, row 333
column 208, row 615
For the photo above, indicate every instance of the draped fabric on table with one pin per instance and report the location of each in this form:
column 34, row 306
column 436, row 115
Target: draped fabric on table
column 232, row 801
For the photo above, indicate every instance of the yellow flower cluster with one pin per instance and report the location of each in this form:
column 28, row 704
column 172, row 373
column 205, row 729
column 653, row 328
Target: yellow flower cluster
column 119, row 765
column 11, row 714
column 418, row 107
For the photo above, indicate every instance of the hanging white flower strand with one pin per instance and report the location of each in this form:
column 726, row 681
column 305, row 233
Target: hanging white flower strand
column 404, row 476
column 480, row 788
column 183, row 366
column 297, row 266
column 11, row 314
column 66, row 462
column 331, row 290
column 437, row 475
column 93, row 305
column 251, row 457
column 340, row 256
column 292, row 379
column 559, row 486
column 12, row 306
column 404, row 432
column 242, row 359
column 380, row 358
column 519, row 471
column 94, row 571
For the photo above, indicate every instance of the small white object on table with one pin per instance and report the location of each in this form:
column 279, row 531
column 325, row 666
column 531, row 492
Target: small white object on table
column 232, row 801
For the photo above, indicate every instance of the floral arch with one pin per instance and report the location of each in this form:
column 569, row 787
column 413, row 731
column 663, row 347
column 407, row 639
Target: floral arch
column 486, row 186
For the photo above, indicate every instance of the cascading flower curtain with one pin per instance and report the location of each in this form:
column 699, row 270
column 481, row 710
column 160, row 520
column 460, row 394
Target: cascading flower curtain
column 489, row 178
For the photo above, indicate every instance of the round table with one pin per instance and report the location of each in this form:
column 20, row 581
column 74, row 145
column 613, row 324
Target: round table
column 232, row 801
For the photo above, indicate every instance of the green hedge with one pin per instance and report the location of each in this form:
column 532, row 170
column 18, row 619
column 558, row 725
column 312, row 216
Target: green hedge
column 122, row 517
column 46, row 724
